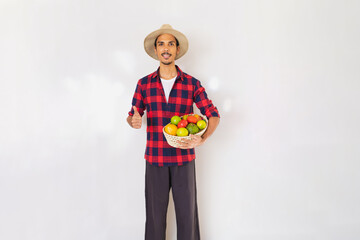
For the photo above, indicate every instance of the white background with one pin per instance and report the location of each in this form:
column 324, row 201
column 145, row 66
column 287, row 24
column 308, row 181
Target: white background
column 282, row 165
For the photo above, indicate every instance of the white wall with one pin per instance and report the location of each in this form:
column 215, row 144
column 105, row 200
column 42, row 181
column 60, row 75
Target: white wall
column 283, row 164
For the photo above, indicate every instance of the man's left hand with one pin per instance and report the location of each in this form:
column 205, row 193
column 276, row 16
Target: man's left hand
column 193, row 142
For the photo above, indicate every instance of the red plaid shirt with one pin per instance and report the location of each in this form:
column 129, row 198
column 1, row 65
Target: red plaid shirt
column 149, row 95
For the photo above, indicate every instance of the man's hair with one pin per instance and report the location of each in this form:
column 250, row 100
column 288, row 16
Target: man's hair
column 177, row 42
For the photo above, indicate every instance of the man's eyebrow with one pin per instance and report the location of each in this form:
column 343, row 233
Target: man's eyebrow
column 172, row 41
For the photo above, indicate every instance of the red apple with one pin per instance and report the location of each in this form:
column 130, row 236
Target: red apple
column 183, row 123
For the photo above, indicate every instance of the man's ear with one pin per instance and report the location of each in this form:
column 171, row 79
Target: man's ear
column 178, row 50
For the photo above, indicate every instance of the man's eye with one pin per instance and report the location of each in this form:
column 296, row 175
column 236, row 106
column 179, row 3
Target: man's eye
column 171, row 44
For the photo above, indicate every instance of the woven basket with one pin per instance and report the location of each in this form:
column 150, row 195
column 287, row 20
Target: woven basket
column 172, row 140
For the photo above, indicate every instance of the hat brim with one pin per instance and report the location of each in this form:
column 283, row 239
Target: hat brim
column 150, row 41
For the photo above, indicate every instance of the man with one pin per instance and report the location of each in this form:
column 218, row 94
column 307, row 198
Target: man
column 163, row 94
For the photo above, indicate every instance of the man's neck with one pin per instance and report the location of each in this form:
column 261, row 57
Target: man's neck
column 168, row 71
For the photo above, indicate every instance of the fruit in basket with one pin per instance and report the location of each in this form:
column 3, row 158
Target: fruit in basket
column 192, row 119
column 201, row 124
column 182, row 132
column 182, row 124
column 175, row 120
column 197, row 117
column 192, row 128
column 185, row 125
column 171, row 129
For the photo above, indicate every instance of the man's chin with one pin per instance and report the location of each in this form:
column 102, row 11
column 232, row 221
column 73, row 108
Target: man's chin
column 167, row 63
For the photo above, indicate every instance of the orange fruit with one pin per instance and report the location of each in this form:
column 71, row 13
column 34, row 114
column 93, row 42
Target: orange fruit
column 197, row 116
column 192, row 119
column 182, row 132
column 171, row 129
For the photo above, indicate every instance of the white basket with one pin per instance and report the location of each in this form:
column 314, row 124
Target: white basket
column 172, row 140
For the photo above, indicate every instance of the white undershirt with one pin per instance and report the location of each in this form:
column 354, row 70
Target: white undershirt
column 167, row 85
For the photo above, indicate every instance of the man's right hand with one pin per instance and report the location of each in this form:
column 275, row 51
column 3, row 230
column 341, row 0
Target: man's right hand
column 136, row 119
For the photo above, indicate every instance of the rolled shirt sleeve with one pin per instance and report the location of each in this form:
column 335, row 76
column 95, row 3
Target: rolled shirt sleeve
column 202, row 101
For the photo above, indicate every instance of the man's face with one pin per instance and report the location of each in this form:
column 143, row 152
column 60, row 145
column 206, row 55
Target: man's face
column 166, row 49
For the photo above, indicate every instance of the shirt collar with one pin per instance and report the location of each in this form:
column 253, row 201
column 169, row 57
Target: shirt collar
column 180, row 74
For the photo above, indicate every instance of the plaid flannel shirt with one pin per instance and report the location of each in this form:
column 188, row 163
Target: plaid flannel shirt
column 149, row 95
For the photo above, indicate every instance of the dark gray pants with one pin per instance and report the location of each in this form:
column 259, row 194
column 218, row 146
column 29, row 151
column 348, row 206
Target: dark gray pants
column 182, row 180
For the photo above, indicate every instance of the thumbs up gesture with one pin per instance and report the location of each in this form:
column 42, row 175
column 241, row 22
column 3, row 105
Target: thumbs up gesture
column 136, row 119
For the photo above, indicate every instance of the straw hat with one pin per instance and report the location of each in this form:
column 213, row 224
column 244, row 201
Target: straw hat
column 166, row 28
